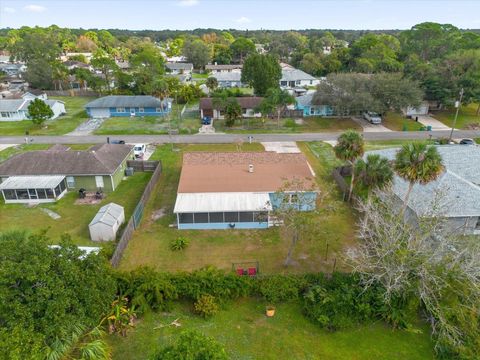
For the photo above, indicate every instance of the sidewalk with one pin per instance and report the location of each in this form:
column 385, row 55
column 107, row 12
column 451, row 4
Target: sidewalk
column 427, row 120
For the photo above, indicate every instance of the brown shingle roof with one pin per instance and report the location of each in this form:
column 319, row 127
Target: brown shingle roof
column 102, row 159
column 228, row 172
column 247, row 102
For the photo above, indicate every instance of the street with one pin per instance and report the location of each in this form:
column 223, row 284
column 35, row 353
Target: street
column 231, row 138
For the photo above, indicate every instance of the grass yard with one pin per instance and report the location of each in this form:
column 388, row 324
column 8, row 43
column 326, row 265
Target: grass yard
column 310, row 124
column 385, row 144
column 398, row 122
column 150, row 244
column 75, row 116
column 74, row 218
column 467, row 117
column 18, row 149
column 247, row 333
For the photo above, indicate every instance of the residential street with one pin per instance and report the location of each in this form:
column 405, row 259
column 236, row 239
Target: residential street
column 230, row 138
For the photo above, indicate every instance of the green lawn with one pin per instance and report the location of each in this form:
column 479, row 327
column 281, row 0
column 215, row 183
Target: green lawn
column 310, row 124
column 247, row 333
column 18, row 149
column 467, row 117
column 75, row 116
column 398, row 122
column 74, row 218
column 150, row 244
column 385, row 144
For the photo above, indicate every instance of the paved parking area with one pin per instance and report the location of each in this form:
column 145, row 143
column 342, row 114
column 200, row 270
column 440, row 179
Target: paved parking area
column 369, row 127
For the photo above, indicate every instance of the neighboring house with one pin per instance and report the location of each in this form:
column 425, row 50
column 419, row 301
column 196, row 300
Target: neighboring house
column 183, row 78
column 241, row 189
column 215, row 69
column 247, row 103
column 17, row 109
column 422, row 109
column 107, row 221
column 294, row 78
column 178, row 68
column 456, row 192
column 127, row 105
column 123, row 65
column 68, row 55
column 71, row 65
column 45, row 175
column 304, row 103
column 15, row 69
column 228, row 79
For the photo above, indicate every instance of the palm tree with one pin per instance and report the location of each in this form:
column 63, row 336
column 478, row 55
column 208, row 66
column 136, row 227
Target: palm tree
column 349, row 148
column 278, row 99
column 374, row 173
column 417, row 163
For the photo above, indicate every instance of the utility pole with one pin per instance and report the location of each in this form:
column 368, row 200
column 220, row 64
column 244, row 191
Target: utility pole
column 458, row 103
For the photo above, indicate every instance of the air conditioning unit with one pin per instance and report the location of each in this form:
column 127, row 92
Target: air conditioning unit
column 129, row 171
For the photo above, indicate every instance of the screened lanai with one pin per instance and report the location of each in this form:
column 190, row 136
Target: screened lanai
column 25, row 189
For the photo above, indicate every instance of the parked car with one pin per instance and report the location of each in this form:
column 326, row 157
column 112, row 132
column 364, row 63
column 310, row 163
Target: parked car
column 372, row 117
column 117, row 141
column 139, row 150
column 467, row 142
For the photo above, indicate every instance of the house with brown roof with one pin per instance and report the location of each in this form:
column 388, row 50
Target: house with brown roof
column 46, row 175
column 249, row 104
column 241, row 189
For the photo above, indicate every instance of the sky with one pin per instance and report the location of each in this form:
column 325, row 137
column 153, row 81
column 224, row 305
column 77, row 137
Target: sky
column 238, row 14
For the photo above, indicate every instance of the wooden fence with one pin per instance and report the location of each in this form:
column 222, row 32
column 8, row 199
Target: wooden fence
column 144, row 166
column 71, row 92
column 135, row 219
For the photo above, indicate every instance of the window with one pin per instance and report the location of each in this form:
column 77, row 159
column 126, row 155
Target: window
column 477, row 227
column 22, row 194
column 9, row 195
column 200, row 218
column 159, row 110
column 231, row 217
column 32, row 193
column 312, row 111
column 120, row 110
column 41, row 194
column 141, row 110
column 185, row 218
column 70, row 181
column 50, row 194
column 260, row 216
column 311, row 82
column 216, row 217
column 246, row 216
column 5, row 114
column 283, row 83
column 298, row 82
column 99, row 181
column 57, row 190
column 62, row 186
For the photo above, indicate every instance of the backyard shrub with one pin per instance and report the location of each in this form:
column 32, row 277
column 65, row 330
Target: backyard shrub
column 277, row 288
column 192, row 345
column 206, row 306
column 342, row 302
column 179, row 243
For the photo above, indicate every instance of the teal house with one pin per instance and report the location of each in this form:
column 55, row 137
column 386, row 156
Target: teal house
column 241, row 190
column 304, row 103
column 127, row 105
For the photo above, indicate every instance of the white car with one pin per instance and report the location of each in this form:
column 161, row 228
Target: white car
column 139, row 150
column 372, row 117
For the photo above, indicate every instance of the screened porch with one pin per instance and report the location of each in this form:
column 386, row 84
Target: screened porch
column 28, row 189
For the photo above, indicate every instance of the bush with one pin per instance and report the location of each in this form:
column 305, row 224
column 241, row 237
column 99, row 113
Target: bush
column 192, row 345
column 180, row 243
column 277, row 288
column 206, row 306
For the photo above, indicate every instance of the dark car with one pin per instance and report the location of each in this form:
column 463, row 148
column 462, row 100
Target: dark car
column 467, row 142
column 117, row 141
column 206, row 120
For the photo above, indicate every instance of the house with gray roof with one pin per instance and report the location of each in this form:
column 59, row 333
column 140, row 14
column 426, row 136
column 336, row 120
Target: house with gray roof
column 128, row 105
column 179, row 68
column 44, row 175
column 223, row 68
column 294, row 78
column 456, row 192
column 17, row 109
column 304, row 103
column 228, row 79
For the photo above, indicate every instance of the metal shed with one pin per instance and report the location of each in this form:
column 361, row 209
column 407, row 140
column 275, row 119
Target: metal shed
column 106, row 222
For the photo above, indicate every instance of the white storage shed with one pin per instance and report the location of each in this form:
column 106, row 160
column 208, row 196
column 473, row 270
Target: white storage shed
column 106, row 222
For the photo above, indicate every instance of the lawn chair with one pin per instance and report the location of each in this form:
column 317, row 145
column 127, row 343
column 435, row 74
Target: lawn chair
column 240, row 271
column 252, row 271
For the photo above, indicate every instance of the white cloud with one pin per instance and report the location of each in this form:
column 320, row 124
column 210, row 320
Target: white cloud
column 34, row 8
column 187, row 3
column 9, row 10
column 243, row 20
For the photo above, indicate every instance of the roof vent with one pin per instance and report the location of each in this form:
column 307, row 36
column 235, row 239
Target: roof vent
column 250, row 168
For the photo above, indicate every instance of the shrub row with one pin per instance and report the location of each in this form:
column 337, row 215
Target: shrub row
column 333, row 302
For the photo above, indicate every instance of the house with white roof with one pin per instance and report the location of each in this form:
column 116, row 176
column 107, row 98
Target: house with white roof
column 456, row 192
column 228, row 79
column 17, row 109
column 294, row 78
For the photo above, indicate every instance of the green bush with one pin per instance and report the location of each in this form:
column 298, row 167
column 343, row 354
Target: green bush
column 180, row 243
column 206, row 306
column 278, row 288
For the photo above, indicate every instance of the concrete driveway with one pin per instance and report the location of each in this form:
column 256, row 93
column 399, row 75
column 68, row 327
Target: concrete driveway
column 281, row 147
column 369, row 127
column 427, row 120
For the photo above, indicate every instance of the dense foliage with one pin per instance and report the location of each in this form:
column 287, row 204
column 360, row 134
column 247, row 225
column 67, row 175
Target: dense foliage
column 39, row 111
column 47, row 293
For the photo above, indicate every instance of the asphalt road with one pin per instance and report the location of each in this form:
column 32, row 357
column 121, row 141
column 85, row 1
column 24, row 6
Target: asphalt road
column 230, row 138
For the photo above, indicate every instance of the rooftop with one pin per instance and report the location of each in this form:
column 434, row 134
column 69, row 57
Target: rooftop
column 246, row 102
column 101, row 159
column 108, row 214
column 125, row 101
column 31, row 182
column 291, row 74
column 457, row 189
column 227, row 76
column 223, row 67
column 207, row 172
column 179, row 66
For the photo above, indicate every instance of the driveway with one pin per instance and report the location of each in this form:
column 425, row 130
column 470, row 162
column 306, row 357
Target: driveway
column 281, row 147
column 369, row 127
column 87, row 127
column 427, row 120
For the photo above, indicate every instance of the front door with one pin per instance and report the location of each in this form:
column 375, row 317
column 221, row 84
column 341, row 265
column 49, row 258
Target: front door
column 99, row 182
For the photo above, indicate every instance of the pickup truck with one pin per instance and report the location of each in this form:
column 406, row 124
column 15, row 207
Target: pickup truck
column 372, row 117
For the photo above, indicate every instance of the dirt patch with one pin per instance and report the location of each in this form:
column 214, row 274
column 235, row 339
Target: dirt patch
column 89, row 199
column 473, row 127
column 158, row 214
